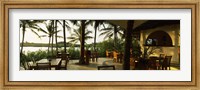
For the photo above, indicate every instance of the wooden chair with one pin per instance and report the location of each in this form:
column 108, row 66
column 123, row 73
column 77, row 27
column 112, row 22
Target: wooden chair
column 107, row 54
column 115, row 56
column 120, row 56
column 161, row 59
column 94, row 56
column 43, row 66
column 64, row 61
column 162, row 55
column 166, row 63
column 58, row 55
column 132, row 62
column 152, row 64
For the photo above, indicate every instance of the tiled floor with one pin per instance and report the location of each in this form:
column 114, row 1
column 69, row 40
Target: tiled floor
column 72, row 65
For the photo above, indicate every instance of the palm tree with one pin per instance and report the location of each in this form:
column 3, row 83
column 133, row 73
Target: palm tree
column 76, row 36
column 82, row 25
column 112, row 31
column 64, row 25
column 56, row 35
column 49, row 30
column 97, row 24
column 65, row 51
column 31, row 25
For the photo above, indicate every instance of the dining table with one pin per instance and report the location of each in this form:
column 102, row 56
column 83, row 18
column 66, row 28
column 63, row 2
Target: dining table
column 158, row 61
column 54, row 63
column 60, row 54
column 145, row 63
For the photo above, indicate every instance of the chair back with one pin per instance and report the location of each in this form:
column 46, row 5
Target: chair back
column 162, row 55
column 107, row 54
column 58, row 55
column 43, row 66
column 63, row 56
column 64, row 61
column 152, row 63
column 166, row 62
column 115, row 54
column 132, row 62
column 95, row 53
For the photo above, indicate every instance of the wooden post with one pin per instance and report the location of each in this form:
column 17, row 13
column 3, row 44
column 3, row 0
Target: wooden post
column 128, row 42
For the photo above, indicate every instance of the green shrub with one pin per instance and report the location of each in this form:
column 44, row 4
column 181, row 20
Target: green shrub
column 37, row 55
column 74, row 53
column 109, row 45
column 23, row 59
column 32, row 56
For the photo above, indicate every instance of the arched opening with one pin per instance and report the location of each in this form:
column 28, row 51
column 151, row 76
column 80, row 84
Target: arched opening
column 158, row 38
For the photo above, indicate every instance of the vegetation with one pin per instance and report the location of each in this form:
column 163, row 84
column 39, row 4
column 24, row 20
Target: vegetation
column 97, row 25
column 136, row 48
column 59, row 44
column 33, row 56
column 76, row 36
column 31, row 25
column 150, row 50
column 49, row 31
column 113, row 31
column 80, row 34
column 27, row 44
column 82, row 25
column 74, row 53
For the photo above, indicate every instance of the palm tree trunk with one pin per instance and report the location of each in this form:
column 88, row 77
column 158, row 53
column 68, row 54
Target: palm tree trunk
column 82, row 61
column 49, row 43
column 56, row 36
column 64, row 36
column 23, row 35
column 115, row 35
column 95, row 33
column 52, row 37
column 128, row 39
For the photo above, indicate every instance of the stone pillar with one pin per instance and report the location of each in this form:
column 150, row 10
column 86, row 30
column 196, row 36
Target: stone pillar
column 176, row 57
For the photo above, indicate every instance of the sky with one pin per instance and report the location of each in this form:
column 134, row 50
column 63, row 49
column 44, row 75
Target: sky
column 31, row 37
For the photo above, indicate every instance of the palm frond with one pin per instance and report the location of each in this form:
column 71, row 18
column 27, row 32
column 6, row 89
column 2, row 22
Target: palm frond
column 59, row 22
column 105, row 32
column 109, row 35
column 88, row 37
column 60, row 37
column 88, row 32
column 71, row 37
column 43, row 35
column 35, row 33
column 107, row 29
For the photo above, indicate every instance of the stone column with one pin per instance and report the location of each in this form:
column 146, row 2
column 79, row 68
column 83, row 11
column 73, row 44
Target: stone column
column 176, row 47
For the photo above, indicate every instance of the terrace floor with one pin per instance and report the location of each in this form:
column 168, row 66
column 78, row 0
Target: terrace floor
column 102, row 61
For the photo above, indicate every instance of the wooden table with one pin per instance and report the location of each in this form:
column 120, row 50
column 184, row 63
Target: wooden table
column 60, row 54
column 54, row 63
column 157, row 61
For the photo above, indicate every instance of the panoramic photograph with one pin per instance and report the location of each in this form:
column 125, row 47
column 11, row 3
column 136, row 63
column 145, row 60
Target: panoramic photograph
column 99, row 44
